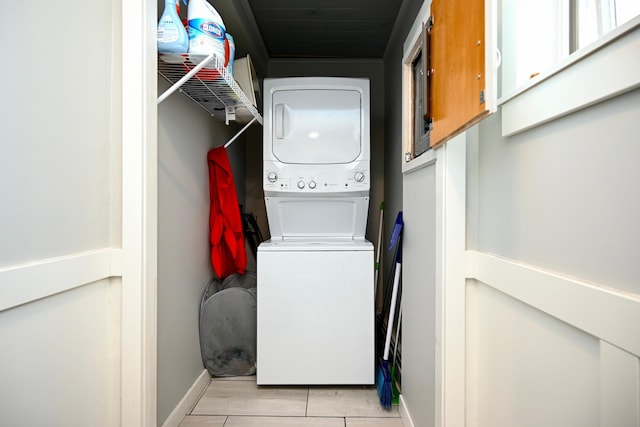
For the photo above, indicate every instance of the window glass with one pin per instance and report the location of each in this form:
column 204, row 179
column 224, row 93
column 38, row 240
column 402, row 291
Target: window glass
column 626, row 10
column 594, row 18
column 536, row 35
column 421, row 136
column 533, row 39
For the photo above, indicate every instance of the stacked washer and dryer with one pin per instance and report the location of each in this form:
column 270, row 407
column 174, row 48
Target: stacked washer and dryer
column 315, row 305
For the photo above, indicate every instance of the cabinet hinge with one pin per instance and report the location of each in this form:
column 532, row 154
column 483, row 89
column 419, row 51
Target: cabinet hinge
column 408, row 157
column 428, row 124
column 481, row 97
column 230, row 114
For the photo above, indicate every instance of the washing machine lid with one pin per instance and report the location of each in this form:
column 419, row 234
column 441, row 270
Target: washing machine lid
column 317, row 126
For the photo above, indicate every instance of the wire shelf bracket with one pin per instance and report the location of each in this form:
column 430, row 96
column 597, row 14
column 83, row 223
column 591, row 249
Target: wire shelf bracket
column 204, row 80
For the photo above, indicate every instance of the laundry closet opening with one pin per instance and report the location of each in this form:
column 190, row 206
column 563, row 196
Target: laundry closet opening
column 336, row 202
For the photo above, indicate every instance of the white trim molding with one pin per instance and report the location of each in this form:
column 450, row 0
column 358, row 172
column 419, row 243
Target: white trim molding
column 139, row 214
column 614, row 61
column 189, row 400
column 450, row 375
column 602, row 312
column 23, row 283
column 619, row 387
column 405, row 416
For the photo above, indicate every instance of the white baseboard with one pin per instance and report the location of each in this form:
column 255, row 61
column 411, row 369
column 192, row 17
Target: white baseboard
column 404, row 414
column 189, row 399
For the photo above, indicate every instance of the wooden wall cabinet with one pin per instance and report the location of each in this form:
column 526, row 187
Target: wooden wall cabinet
column 453, row 59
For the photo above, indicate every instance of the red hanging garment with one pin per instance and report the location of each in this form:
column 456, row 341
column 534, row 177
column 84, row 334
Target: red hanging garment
column 228, row 254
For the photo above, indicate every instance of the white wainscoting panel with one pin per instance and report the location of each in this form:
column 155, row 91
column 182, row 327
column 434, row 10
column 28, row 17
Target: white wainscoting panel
column 530, row 369
column 20, row 284
column 605, row 313
column 543, row 327
column 619, row 387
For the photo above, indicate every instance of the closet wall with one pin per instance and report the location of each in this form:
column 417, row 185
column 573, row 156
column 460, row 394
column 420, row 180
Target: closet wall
column 185, row 135
column 60, row 218
column 544, row 315
column 392, row 150
column 558, row 325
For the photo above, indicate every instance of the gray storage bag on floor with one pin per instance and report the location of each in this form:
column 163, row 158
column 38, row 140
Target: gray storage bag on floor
column 228, row 326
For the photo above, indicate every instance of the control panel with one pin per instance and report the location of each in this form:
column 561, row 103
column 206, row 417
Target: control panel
column 306, row 179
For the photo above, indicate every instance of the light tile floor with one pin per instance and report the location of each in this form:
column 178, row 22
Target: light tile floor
column 239, row 402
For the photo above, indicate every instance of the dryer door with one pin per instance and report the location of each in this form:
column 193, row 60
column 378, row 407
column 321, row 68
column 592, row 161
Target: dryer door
column 317, row 126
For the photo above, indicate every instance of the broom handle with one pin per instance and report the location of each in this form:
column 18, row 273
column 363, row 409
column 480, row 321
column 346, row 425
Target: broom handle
column 377, row 265
column 395, row 345
column 392, row 312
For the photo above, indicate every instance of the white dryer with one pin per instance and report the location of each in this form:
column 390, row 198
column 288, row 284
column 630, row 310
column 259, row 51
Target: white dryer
column 315, row 274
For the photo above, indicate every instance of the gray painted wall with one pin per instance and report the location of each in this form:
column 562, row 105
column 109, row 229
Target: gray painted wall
column 185, row 134
column 50, row 207
column 60, row 192
column 393, row 118
column 416, row 197
column 560, row 197
column 564, row 196
column 419, row 282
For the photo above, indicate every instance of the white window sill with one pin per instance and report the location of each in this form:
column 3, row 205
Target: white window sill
column 425, row 159
column 602, row 70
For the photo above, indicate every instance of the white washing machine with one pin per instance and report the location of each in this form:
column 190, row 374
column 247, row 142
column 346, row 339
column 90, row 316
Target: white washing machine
column 315, row 313
column 315, row 275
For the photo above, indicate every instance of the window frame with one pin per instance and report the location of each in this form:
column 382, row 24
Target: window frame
column 529, row 105
column 412, row 48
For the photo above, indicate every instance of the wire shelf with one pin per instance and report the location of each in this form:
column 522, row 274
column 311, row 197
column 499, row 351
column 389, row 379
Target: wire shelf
column 208, row 83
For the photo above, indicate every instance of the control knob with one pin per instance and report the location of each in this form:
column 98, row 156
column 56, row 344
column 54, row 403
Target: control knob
column 312, row 184
column 359, row 176
column 301, row 184
column 272, row 177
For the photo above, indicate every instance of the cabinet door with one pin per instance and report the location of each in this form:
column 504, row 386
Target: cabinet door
column 458, row 49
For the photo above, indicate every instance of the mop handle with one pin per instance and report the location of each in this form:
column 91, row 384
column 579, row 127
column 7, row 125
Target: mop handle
column 377, row 266
column 392, row 312
column 395, row 346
